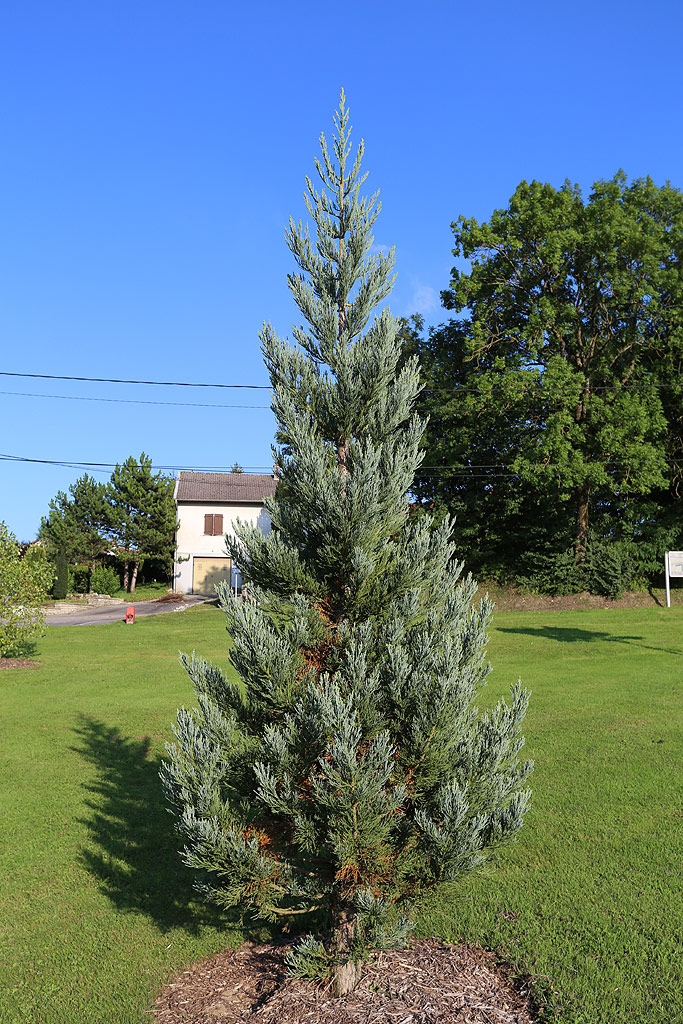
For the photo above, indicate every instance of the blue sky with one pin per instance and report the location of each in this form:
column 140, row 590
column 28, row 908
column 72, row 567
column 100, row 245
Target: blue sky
column 152, row 154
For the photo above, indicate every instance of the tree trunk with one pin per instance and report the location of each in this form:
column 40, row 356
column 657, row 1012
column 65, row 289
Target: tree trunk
column 343, row 461
column 583, row 492
column 346, row 972
column 125, row 575
column 136, row 566
column 581, row 537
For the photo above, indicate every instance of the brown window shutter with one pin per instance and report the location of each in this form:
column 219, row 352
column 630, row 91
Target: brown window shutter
column 208, row 526
column 218, row 525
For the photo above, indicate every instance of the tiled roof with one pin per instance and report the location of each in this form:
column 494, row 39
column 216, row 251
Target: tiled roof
column 228, row 487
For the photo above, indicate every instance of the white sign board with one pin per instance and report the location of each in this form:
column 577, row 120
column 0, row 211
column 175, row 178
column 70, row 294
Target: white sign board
column 673, row 566
column 675, row 563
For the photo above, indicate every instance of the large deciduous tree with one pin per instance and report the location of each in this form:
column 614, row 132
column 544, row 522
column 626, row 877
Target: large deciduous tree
column 349, row 771
column 470, row 444
column 552, row 385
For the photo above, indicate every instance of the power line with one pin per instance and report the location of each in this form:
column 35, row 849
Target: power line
column 134, row 401
column 542, row 385
column 104, row 466
column 538, row 385
column 183, row 405
column 115, row 380
column 525, row 427
column 456, row 468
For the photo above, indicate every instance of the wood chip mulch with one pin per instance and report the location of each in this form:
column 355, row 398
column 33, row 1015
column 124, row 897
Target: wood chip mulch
column 17, row 663
column 427, row 983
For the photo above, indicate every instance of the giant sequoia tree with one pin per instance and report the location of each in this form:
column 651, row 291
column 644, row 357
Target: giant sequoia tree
column 552, row 390
column 348, row 771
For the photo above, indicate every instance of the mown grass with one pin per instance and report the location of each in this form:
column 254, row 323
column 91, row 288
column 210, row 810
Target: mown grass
column 590, row 901
column 144, row 592
column 96, row 910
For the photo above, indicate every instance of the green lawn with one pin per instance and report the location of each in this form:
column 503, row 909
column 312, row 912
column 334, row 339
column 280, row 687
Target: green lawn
column 96, row 910
column 144, row 592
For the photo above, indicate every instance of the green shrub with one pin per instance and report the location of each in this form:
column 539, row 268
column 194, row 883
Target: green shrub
column 61, row 584
column 23, row 587
column 37, row 557
column 79, row 579
column 105, row 580
column 554, row 574
column 609, row 568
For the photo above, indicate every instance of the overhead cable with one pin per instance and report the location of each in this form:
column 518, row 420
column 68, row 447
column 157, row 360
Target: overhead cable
column 537, row 384
column 456, row 469
column 116, row 380
column 134, row 401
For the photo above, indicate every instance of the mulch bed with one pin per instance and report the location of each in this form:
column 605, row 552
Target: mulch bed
column 17, row 663
column 427, row 983
column 170, row 599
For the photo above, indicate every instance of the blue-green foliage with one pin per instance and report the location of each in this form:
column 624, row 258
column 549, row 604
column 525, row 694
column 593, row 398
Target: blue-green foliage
column 349, row 771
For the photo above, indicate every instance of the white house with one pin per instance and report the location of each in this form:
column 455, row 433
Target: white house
column 208, row 504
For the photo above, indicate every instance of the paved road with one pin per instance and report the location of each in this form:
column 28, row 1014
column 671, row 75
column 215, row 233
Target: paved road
column 117, row 613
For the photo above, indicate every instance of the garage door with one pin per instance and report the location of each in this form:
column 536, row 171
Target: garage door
column 207, row 572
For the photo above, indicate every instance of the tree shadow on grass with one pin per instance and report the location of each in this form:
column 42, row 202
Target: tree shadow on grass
column 134, row 848
column 565, row 634
column 22, row 649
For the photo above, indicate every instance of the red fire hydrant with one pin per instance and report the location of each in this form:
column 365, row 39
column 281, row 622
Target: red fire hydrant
column 130, row 615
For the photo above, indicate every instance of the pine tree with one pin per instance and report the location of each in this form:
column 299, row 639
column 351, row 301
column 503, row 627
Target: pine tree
column 78, row 522
column 349, row 772
column 142, row 515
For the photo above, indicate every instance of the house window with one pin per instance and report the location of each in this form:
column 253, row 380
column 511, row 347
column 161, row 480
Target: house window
column 213, row 526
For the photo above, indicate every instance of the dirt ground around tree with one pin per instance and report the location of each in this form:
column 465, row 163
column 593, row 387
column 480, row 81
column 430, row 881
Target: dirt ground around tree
column 17, row 663
column 426, row 983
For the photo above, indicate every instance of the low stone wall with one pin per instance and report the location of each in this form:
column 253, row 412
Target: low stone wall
column 80, row 601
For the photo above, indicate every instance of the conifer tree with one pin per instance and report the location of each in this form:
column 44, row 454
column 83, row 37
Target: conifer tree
column 61, row 584
column 349, row 772
column 142, row 515
column 78, row 522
